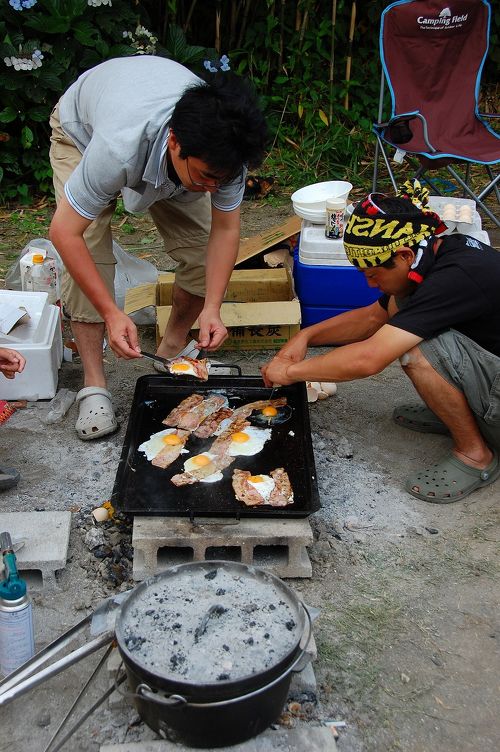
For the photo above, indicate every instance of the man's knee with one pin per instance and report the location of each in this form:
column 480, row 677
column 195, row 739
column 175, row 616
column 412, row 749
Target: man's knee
column 413, row 359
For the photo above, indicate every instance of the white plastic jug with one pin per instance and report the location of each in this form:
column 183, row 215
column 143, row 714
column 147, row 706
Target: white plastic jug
column 41, row 276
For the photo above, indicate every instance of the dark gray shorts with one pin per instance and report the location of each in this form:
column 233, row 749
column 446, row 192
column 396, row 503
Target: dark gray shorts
column 473, row 370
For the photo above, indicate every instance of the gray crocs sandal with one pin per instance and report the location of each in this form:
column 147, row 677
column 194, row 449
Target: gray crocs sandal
column 418, row 418
column 451, row 480
column 190, row 351
column 96, row 416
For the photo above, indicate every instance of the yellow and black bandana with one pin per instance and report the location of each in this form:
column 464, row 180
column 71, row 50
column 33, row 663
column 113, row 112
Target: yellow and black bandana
column 372, row 236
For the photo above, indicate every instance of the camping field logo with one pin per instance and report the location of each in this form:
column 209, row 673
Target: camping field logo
column 445, row 20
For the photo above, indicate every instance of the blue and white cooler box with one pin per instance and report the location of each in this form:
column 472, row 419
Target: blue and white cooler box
column 325, row 282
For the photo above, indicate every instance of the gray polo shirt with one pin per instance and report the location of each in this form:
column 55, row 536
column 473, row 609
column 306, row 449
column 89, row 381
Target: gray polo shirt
column 117, row 114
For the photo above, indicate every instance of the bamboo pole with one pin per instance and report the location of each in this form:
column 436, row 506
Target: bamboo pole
column 243, row 26
column 332, row 58
column 282, row 34
column 349, row 53
column 188, row 17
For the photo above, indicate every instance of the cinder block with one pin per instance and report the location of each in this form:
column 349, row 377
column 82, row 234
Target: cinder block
column 273, row 544
column 310, row 738
column 46, row 547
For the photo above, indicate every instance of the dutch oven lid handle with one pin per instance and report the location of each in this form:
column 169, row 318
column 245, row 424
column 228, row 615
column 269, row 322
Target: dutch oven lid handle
column 142, row 691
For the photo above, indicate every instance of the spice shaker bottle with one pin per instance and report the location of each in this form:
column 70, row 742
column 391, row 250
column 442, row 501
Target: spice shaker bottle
column 335, row 212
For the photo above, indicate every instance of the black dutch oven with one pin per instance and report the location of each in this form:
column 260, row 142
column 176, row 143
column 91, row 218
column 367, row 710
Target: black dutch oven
column 209, row 650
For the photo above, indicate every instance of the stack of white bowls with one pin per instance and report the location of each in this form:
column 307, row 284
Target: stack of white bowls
column 310, row 202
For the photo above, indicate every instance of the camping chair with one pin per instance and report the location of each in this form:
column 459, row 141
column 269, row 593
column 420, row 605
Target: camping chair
column 432, row 59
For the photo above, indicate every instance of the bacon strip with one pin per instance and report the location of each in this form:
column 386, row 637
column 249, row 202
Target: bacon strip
column 244, row 491
column 209, row 426
column 185, row 406
column 170, row 453
column 245, row 410
column 282, row 493
column 192, row 419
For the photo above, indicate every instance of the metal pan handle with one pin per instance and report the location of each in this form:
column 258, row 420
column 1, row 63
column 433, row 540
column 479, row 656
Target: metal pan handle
column 214, row 366
column 145, row 692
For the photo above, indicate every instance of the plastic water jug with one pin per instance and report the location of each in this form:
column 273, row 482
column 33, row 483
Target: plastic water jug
column 41, row 276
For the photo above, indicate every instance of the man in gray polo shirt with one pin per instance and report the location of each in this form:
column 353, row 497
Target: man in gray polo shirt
column 147, row 128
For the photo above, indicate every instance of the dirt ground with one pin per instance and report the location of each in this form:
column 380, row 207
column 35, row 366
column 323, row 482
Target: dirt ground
column 409, row 633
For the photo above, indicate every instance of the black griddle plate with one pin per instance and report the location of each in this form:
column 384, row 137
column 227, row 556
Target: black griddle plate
column 141, row 488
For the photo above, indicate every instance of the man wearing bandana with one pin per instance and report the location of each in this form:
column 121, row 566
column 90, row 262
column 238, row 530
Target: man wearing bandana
column 440, row 315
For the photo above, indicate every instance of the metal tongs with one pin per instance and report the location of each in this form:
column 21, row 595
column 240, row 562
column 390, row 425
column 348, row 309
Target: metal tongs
column 36, row 671
column 166, row 361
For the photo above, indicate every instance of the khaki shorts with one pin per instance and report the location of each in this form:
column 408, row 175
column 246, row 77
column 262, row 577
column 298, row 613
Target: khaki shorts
column 183, row 222
column 473, row 370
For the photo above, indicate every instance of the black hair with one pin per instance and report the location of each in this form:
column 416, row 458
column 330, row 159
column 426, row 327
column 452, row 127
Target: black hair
column 220, row 122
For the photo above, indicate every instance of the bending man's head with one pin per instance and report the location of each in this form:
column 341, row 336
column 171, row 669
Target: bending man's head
column 220, row 123
column 380, row 225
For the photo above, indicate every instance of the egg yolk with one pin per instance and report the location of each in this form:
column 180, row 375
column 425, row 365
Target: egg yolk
column 181, row 367
column 201, row 460
column 269, row 411
column 239, row 437
column 171, row 439
column 256, row 479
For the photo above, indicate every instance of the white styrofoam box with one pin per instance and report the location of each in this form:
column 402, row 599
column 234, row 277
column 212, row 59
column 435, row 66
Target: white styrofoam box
column 40, row 343
column 437, row 204
column 37, row 306
column 316, row 249
column 481, row 235
column 318, row 261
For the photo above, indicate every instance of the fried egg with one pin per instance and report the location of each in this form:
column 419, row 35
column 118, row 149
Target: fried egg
column 249, row 441
column 182, row 367
column 159, row 441
column 264, row 484
column 203, row 460
column 271, row 415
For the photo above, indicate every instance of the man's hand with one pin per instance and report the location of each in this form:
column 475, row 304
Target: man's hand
column 11, row 362
column 212, row 330
column 275, row 372
column 122, row 335
column 293, row 352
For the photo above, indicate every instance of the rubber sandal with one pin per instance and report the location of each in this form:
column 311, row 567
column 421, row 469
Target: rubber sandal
column 451, row 480
column 418, row 418
column 190, row 351
column 96, row 417
column 9, row 478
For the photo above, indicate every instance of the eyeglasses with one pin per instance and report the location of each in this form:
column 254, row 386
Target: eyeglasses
column 208, row 186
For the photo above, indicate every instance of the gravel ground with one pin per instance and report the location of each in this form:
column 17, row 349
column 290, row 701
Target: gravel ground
column 409, row 632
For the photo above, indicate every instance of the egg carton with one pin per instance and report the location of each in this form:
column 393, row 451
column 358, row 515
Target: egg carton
column 451, row 212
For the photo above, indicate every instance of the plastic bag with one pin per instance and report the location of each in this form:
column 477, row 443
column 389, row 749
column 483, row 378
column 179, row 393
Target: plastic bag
column 130, row 272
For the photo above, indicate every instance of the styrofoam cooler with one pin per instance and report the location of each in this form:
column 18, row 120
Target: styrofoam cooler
column 316, row 249
column 39, row 340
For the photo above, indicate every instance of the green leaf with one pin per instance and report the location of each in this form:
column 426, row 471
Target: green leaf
column 27, row 137
column 323, row 117
column 86, row 33
column 8, row 114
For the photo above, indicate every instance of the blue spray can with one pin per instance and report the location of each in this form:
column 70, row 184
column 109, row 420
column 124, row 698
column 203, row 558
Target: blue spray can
column 17, row 643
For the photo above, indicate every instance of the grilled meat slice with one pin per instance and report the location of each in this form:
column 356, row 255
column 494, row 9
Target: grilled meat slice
column 282, row 493
column 184, row 407
column 210, row 425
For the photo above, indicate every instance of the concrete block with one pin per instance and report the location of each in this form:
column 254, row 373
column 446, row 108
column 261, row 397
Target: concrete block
column 46, row 547
column 274, row 544
column 310, row 738
column 304, row 683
